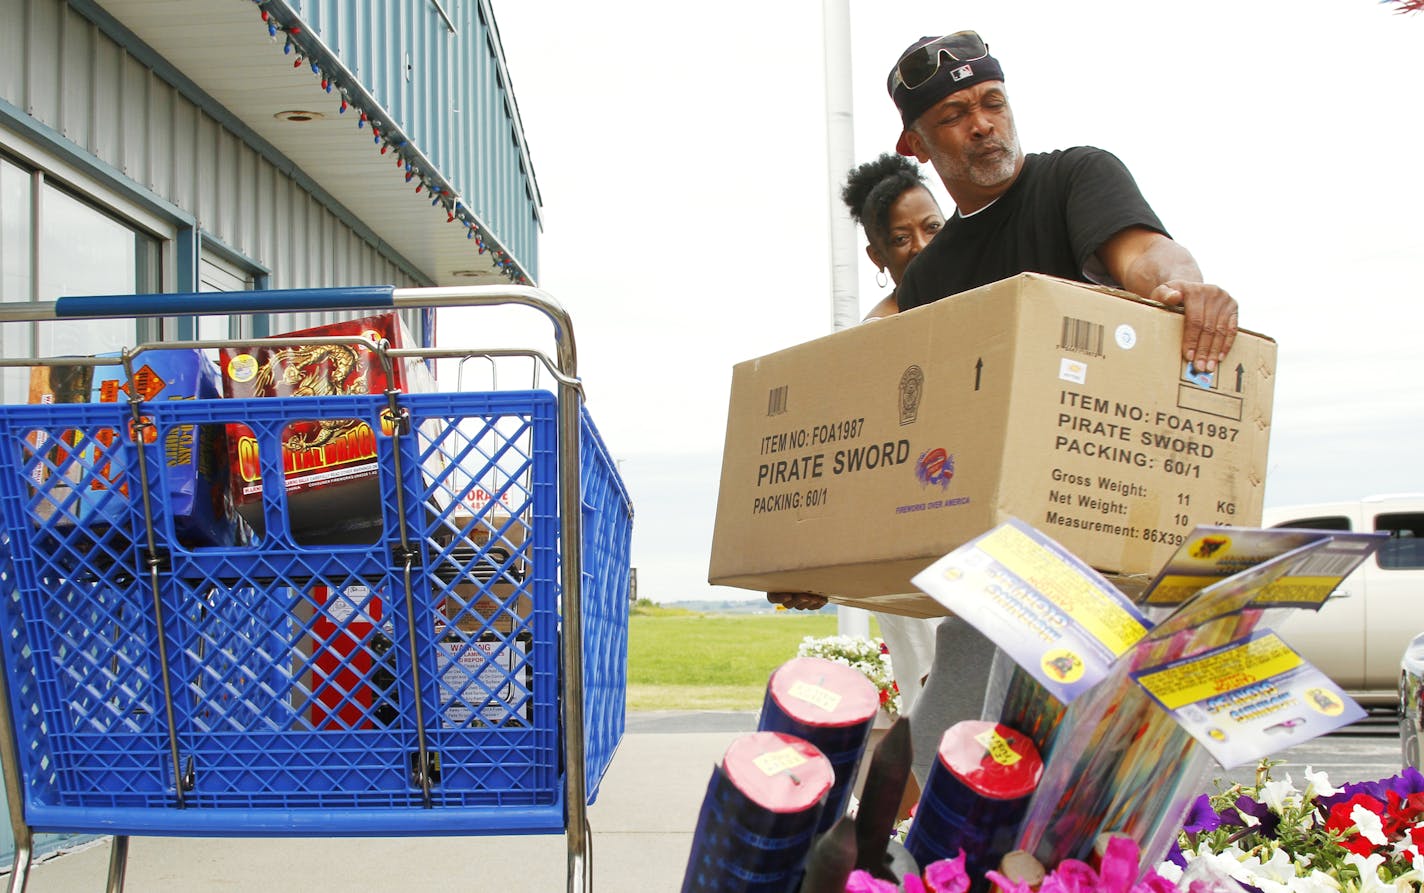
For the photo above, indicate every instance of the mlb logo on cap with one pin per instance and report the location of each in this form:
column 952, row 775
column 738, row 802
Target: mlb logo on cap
column 962, row 72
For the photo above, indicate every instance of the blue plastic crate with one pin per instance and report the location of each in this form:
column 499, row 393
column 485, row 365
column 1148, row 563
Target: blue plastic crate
column 293, row 665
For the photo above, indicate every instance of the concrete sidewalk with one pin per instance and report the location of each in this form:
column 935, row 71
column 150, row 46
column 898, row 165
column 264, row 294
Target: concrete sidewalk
column 642, row 831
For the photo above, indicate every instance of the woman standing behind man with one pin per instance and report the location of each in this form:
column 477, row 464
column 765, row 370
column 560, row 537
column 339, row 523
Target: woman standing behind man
column 890, row 201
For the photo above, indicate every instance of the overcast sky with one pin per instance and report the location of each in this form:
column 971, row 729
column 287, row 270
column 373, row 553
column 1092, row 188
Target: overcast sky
column 681, row 153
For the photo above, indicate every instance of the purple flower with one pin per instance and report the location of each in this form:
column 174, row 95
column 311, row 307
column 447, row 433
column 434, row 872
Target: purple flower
column 1201, row 817
column 1261, row 812
column 1410, row 781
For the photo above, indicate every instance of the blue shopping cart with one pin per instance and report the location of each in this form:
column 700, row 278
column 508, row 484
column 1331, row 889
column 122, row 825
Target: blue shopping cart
column 457, row 668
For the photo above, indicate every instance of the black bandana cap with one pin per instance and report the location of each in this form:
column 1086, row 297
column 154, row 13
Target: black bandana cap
column 951, row 77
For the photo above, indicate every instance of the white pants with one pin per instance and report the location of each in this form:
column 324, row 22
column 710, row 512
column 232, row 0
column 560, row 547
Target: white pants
column 911, row 641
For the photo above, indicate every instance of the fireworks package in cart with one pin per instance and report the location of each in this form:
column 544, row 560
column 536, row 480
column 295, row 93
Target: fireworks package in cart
column 330, row 463
column 195, row 456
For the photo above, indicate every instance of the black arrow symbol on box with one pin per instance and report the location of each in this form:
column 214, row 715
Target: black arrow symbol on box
column 1240, row 371
column 978, row 369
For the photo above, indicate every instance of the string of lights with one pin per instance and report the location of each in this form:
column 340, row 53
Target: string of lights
column 306, row 52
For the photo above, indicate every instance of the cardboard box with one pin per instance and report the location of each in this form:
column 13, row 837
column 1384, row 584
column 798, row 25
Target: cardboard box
column 855, row 460
column 330, row 464
column 483, row 573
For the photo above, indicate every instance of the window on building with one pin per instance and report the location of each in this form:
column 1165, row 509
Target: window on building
column 54, row 243
column 217, row 274
column 16, row 263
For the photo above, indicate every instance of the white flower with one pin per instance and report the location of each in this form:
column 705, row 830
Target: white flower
column 1278, row 795
column 1171, row 871
column 1368, row 867
column 1278, row 868
column 1316, row 882
column 1406, row 848
column 1317, row 784
column 862, row 655
column 1369, row 825
column 1233, row 863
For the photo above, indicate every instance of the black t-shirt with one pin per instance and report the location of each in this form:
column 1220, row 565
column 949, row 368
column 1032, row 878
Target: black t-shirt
column 1061, row 209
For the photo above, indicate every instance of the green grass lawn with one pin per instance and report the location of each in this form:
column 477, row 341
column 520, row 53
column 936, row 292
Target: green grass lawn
column 684, row 660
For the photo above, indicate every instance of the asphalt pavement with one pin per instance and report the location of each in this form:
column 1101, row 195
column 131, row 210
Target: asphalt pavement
column 642, row 828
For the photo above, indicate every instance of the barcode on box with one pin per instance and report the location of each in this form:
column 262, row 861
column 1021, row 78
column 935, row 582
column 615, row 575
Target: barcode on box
column 776, row 400
column 1325, row 564
column 1081, row 336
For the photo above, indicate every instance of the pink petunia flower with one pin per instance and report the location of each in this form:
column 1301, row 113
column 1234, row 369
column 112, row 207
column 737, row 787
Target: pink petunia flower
column 1006, row 885
column 861, row 881
column 947, row 876
column 1119, row 866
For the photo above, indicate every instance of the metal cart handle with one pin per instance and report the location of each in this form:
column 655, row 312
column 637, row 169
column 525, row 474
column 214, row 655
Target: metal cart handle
column 390, row 298
column 212, row 302
column 374, row 297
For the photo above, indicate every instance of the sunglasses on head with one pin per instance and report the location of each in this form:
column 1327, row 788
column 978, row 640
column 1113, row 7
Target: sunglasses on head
column 919, row 65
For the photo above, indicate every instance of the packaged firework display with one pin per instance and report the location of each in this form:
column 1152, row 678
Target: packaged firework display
column 51, row 385
column 347, row 658
column 762, row 808
column 330, row 463
column 830, row 705
column 1130, row 711
column 195, row 457
column 975, row 796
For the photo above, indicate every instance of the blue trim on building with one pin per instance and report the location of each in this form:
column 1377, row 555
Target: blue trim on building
column 188, row 247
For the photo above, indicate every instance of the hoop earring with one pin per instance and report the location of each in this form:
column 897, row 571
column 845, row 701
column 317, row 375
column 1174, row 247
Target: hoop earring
column 881, row 279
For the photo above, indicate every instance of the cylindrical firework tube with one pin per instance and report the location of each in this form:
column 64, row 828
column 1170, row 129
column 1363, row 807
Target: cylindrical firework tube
column 762, row 807
column 830, row 705
column 975, row 796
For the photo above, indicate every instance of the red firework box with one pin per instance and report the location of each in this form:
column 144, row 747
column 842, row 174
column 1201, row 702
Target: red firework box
column 330, row 463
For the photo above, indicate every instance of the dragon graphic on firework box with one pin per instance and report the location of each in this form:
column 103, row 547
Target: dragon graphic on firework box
column 329, row 463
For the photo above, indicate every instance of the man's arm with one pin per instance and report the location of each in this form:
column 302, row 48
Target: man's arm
column 1153, row 266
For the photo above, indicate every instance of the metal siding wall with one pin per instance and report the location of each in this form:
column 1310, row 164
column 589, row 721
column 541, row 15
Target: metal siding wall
column 455, row 108
column 70, row 76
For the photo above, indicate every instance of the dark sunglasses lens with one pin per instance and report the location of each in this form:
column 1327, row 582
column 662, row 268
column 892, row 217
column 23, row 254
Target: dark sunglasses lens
column 919, row 66
column 966, row 46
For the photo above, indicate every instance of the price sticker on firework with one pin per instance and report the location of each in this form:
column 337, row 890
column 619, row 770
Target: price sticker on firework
column 1055, row 616
column 1249, row 698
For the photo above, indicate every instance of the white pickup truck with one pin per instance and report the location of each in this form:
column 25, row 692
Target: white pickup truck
column 1361, row 633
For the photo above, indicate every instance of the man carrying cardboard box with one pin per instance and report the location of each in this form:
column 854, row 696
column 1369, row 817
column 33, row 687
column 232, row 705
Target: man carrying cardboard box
column 1074, row 213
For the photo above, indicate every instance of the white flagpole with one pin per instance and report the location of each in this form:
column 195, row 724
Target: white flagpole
column 840, row 157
